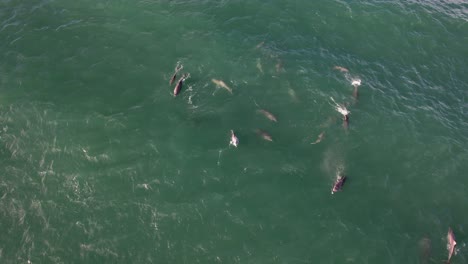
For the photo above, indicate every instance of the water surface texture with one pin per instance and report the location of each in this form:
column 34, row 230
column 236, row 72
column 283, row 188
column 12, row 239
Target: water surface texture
column 100, row 163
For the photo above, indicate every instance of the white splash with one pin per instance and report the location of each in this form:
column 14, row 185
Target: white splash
column 234, row 140
column 356, row 82
column 340, row 108
column 145, row 186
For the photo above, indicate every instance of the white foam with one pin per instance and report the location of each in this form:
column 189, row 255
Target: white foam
column 356, row 82
column 340, row 108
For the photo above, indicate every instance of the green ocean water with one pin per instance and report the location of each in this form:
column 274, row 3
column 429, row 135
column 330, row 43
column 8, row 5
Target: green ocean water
column 100, row 163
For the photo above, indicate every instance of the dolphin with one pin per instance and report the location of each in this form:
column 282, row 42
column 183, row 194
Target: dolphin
column 234, row 140
column 356, row 83
column 259, row 65
column 264, row 135
column 279, row 65
column 355, row 92
column 338, row 185
column 292, row 94
column 260, row 44
column 346, row 121
column 451, row 243
column 341, row 69
column 424, row 245
column 267, row 115
column 221, row 84
column 176, row 70
column 319, row 138
column 178, row 86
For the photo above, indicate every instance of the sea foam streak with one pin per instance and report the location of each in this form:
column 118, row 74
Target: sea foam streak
column 340, row 108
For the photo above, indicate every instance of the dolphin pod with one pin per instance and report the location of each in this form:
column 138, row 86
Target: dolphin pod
column 424, row 244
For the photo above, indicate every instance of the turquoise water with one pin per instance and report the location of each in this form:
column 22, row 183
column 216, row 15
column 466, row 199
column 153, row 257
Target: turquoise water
column 101, row 164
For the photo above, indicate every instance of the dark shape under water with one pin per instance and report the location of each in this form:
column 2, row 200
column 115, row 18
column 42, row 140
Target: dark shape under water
column 264, row 135
column 424, row 250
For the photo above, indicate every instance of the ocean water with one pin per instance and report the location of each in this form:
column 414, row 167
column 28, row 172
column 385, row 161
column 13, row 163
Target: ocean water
column 100, row 163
